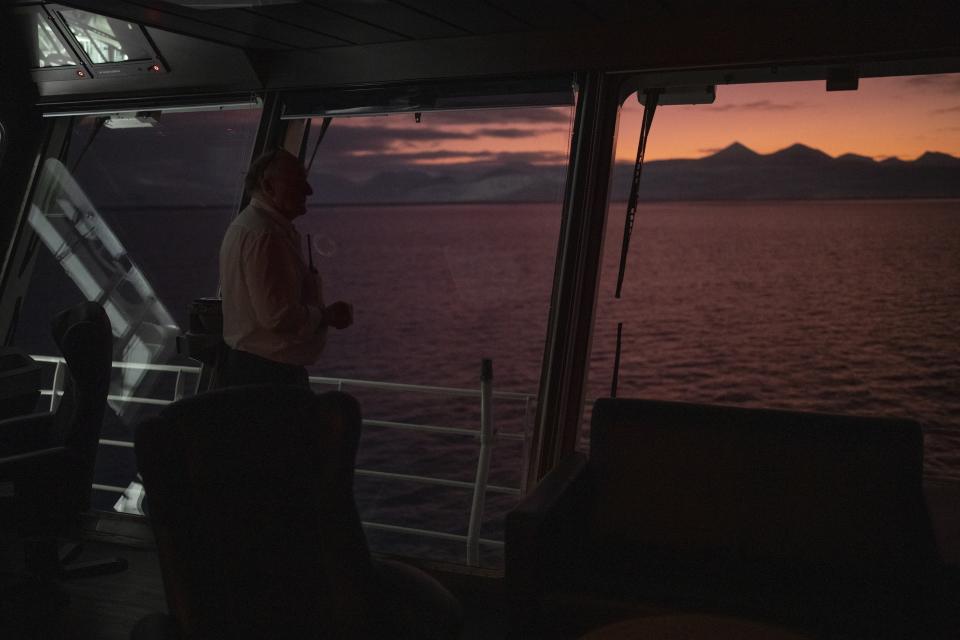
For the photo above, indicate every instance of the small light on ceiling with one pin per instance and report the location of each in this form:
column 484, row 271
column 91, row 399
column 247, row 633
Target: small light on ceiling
column 155, row 68
column 81, row 73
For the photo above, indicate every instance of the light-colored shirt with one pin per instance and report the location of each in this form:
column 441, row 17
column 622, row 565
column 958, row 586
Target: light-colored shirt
column 272, row 302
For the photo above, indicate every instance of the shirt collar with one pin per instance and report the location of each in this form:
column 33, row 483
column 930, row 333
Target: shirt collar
column 275, row 215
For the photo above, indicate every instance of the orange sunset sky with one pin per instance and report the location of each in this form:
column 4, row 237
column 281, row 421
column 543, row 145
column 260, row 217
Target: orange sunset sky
column 885, row 117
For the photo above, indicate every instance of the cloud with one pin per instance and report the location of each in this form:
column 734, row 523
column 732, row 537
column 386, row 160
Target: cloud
column 944, row 82
column 356, row 167
column 513, row 132
column 758, row 105
column 497, row 157
column 948, row 129
column 417, row 156
column 955, row 109
column 350, row 138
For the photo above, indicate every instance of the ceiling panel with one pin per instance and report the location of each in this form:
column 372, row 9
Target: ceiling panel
column 473, row 16
column 620, row 10
column 264, row 27
column 231, row 19
column 159, row 15
column 550, row 14
column 329, row 22
column 393, row 17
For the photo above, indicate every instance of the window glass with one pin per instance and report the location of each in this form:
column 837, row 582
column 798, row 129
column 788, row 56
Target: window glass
column 133, row 218
column 793, row 249
column 107, row 40
column 443, row 235
column 48, row 50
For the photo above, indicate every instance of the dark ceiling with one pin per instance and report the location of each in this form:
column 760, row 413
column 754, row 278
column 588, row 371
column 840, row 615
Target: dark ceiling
column 331, row 43
column 319, row 24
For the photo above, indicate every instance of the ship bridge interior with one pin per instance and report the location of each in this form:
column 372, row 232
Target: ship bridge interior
column 126, row 127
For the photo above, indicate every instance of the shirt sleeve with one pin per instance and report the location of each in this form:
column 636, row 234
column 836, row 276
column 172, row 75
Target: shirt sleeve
column 274, row 281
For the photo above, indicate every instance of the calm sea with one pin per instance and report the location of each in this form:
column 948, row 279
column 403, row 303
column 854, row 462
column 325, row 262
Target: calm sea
column 842, row 306
column 837, row 306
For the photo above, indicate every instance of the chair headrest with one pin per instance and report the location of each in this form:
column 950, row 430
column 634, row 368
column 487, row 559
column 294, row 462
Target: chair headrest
column 85, row 338
column 86, row 312
column 247, row 432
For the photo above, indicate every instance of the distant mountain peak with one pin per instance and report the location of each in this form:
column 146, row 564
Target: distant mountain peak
column 733, row 152
column 855, row 157
column 937, row 159
column 801, row 152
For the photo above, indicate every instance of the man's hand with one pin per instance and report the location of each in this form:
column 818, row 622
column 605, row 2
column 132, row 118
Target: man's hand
column 338, row 315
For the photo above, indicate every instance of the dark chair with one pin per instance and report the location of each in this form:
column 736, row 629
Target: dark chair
column 49, row 457
column 251, row 502
column 810, row 521
column 19, row 384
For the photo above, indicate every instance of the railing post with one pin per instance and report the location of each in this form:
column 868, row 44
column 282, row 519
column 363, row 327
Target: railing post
column 58, row 374
column 525, row 457
column 483, row 463
column 178, row 387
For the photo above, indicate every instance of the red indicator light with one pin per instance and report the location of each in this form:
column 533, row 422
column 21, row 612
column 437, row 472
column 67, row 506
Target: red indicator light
column 155, row 68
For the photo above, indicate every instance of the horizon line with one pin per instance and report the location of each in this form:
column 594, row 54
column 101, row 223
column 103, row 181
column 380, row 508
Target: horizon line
column 737, row 143
column 508, row 202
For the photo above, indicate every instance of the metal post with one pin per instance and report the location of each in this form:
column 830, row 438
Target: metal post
column 483, row 463
column 577, row 274
column 525, row 455
column 178, row 387
column 58, row 374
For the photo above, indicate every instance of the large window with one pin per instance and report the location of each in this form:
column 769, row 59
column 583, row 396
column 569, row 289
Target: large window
column 132, row 216
column 442, row 231
column 795, row 249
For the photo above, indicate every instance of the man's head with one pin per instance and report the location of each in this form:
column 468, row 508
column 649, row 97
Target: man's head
column 278, row 177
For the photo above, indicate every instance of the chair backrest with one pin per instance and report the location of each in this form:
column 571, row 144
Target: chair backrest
column 250, row 493
column 85, row 340
column 19, row 383
column 815, row 489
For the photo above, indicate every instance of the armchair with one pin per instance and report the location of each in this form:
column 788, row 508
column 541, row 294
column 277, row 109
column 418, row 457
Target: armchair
column 251, row 501
column 806, row 520
column 19, row 384
column 48, row 458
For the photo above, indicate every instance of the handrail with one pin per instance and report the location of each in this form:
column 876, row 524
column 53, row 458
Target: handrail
column 400, row 386
column 487, row 436
column 119, row 364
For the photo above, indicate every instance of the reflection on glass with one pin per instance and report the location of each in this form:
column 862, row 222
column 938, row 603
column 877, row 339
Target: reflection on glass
column 48, row 49
column 105, row 39
column 139, row 232
column 96, row 261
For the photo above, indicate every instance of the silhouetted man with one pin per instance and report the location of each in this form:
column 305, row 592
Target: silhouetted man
column 274, row 318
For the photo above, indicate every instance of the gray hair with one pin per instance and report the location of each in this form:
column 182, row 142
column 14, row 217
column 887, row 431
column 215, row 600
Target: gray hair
column 261, row 168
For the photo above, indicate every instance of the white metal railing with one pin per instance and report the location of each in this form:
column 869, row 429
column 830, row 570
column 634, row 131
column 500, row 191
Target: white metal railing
column 486, row 434
column 60, row 368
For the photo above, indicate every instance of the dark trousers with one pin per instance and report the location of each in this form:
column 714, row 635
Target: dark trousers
column 246, row 368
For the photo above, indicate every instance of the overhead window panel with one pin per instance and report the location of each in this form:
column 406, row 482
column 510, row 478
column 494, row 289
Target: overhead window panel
column 47, row 49
column 107, row 40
